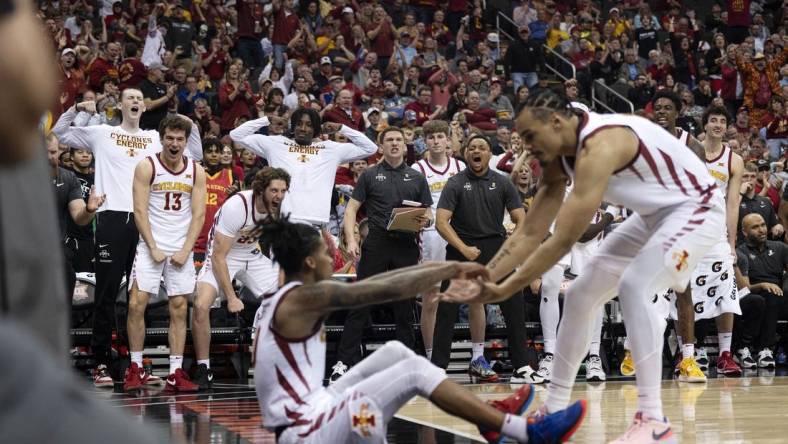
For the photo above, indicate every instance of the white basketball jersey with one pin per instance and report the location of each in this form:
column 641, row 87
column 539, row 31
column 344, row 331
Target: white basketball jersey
column 170, row 203
column 663, row 173
column 436, row 178
column 683, row 136
column 288, row 373
column 237, row 218
column 720, row 168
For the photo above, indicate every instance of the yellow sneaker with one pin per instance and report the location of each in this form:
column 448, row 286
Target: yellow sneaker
column 627, row 364
column 689, row 371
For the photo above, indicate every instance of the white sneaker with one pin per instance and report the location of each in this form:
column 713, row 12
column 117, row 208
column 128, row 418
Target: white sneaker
column 744, row 358
column 337, row 371
column 101, row 377
column 765, row 358
column 646, row 430
column 702, row 359
column 594, row 370
column 546, row 367
column 526, row 375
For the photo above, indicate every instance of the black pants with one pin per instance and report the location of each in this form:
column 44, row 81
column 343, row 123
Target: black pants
column 757, row 326
column 116, row 245
column 79, row 258
column 513, row 311
column 380, row 252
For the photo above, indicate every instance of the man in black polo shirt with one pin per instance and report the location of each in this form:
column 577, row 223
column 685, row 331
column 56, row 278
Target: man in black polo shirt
column 470, row 218
column 380, row 189
column 751, row 202
column 766, row 263
column 157, row 95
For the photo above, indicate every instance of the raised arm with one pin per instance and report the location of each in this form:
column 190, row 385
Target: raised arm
column 75, row 137
column 245, row 136
column 266, row 72
column 287, row 78
column 360, row 147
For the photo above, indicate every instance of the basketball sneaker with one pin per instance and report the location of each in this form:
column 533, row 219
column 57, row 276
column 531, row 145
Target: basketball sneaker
column 546, row 367
column 101, row 377
column 203, row 377
column 180, row 382
column 645, row 429
column 744, row 357
column 479, row 368
column 594, row 370
column 690, row 372
column 765, row 358
column 726, row 366
column 516, row 404
column 337, row 371
column 555, row 427
column 135, row 378
column 526, row 375
column 627, row 364
column 702, row 359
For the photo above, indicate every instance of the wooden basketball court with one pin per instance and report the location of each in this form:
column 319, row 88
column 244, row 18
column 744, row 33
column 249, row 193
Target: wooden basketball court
column 751, row 409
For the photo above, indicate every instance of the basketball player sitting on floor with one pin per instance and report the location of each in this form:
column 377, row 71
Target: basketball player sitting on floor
column 358, row 406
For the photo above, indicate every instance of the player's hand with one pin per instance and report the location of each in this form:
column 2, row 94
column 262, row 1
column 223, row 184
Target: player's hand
column 471, row 253
column 95, row 201
column 157, row 255
column 278, row 121
column 535, row 285
column 88, row 106
column 465, row 291
column 472, row 270
column 330, row 127
column 179, row 259
column 773, row 289
column 234, row 304
column 353, row 249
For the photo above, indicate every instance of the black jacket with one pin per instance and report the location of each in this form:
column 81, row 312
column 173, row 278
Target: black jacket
column 524, row 56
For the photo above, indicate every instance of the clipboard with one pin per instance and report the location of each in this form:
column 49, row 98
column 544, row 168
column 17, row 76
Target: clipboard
column 404, row 219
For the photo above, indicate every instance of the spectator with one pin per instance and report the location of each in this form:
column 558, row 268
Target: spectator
column 157, row 96
column 187, row 97
column 764, row 185
column 300, row 86
column 498, row 101
column 760, row 79
column 767, row 262
column 105, row 65
column 753, row 203
column 523, row 60
column 442, row 82
column 381, row 34
column 215, row 60
column 641, row 93
column 480, row 118
column 343, row 111
column 235, row 98
column 423, row 106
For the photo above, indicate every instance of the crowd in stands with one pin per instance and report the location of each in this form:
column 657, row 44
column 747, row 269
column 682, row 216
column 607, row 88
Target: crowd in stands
column 372, row 64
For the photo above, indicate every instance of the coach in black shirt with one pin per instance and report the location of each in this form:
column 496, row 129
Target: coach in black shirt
column 765, row 267
column 470, row 218
column 380, row 189
column 157, row 95
column 68, row 193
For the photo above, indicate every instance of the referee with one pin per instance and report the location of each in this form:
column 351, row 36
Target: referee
column 380, row 189
column 470, row 218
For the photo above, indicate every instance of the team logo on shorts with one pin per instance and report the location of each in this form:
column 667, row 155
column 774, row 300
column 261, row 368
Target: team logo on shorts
column 364, row 420
column 681, row 260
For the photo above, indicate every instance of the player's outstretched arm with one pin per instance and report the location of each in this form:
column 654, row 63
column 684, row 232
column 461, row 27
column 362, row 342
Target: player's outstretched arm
column 528, row 235
column 360, row 146
column 79, row 137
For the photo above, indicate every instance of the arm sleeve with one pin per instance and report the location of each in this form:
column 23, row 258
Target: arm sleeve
column 448, row 200
column 75, row 137
column 513, row 201
column 245, row 136
column 74, row 188
column 266, row 73
column 360, row 147
column 360, row 191
column 232, row 216
column 194, row 144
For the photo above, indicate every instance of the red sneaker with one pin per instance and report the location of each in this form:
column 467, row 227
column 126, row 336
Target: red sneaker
column 180, row 382
column 135, row 378
column 515, row 404
column 727, row 366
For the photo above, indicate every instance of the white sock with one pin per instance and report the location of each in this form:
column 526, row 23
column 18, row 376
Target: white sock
column 650, row 402
column 593, row 349
column 176, row 362
column 557, row 397
column 724, row 340
column 477, row 348
column 515, row 427
column 429, row 354
column 136, row 357
column 688, row 350
column 207, row 362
